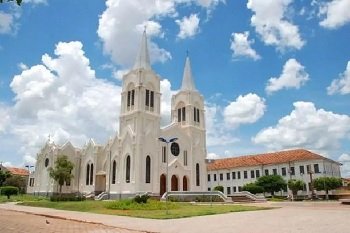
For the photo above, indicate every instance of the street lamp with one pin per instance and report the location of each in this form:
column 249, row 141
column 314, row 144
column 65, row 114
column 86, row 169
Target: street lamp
column 171, row 140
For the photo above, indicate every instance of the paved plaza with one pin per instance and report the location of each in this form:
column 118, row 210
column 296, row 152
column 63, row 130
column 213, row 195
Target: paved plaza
column 303, row 217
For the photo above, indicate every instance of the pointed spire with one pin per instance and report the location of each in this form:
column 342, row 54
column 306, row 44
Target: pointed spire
column 187, row 80
column 142, row 59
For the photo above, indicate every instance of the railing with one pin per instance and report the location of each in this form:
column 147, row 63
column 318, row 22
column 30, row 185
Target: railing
column 249, row 195
column 101, row 196
column 196, row 194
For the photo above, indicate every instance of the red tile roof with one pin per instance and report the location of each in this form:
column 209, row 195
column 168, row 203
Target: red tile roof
column 18, row 171
column 264, row 159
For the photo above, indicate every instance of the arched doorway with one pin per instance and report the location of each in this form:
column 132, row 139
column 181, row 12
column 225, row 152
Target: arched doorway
column 184, row 184
column 174, row 183
column 162, row 184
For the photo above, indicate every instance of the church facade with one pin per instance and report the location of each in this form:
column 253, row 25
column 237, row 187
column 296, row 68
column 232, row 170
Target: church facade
column 135, row 160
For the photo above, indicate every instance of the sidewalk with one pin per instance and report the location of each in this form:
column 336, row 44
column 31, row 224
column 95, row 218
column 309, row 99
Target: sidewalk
column 298, row 217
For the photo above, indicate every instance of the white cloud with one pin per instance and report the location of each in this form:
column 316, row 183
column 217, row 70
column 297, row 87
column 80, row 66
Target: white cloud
column 345, row 160
column 212, row 156
column 167, row 93
column 7, row 164
column 217, row 133
column 7, row 24
column 341, row 85
column 270, row 22
column 62, row 97
column 245, row 109
column 4, row 118
column 241, row 46
column 293, row 76
column 306, row 127
column 336, row 13
column 189, row 26
column 119, row 74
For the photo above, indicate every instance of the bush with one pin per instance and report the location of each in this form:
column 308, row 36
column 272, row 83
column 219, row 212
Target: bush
column 253, row 188
column 69, row 197
column 132, row 205
column 219, row 188
column 141, row 198
column 9, row 191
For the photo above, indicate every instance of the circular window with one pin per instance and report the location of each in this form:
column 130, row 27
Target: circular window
column 46, row 162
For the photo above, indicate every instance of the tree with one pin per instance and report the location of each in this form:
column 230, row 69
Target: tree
column 295, row 185
column 271, row 183
column 62, row 171
column 9, row 191
column 17, row 181
column 17, row 1
column 219, row 188
column 327, row 183
column 3, row 176
column 253, row 188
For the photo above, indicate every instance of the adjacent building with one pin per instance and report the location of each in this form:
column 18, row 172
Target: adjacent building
column 234, row 173
column 135, row 160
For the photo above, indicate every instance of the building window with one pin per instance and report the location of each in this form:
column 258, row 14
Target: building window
column 91, row 174
column 257, row 172
column 292, row 171
column 197, row 175
column 148, row 169
column 274, row 171
column 209, row 189
column 152, row 99
column 87, row 174
column 284, row 171
column 196, row 114
column 114, row 171
column 47, row 162
column 68, row 182
column 233, row 175
column 238, row 175
column 208, row 177
column 239, row 188
column 266, row 172
column 234, row 189
column 179, row 115
column 252, row 174
column 149, row 100
column 130, row 98
column 164, row 154
column 185, row 157
column 227, row 176
column 245, row 175
column 127, row 170
column 302, row 169
column 214, row 177
column 316, row 168
column 228, row 190
column 221, row 176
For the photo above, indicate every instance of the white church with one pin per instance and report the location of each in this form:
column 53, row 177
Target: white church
column 135, row 160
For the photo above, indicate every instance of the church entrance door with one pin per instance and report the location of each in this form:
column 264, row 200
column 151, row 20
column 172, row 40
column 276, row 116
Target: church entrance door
column 174, row 183
column 184, row 184
column 162, row 185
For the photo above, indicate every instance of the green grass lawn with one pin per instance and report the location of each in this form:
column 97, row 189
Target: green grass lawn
column 153, row 209
column 21, row 198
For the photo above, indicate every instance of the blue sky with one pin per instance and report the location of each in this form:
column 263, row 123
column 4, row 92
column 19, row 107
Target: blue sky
column 275, row 74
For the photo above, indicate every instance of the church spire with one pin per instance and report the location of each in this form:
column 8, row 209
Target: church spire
column 187, row 80
column 142, row 59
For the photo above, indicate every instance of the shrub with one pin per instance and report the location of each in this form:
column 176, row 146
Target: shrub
column 141, row 198
column 219, row 188
column 132, row 205
column 253, row 188
column 9, row 191
column 69, row 197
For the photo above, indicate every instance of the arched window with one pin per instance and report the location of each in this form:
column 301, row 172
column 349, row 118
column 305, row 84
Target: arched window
column 127, row 169
column 148, row 169
column 114, row 171
column 197, row 175
column 87, row 173
column 91, row 174
column 47, row 162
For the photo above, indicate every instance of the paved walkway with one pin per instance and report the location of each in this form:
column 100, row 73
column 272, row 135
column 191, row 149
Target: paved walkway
column 304, row 217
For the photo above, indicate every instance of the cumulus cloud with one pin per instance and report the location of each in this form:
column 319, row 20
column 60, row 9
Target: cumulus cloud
column 167, row 93
column 293, row 76
column 345, row 160
column 306, row 127
column 62, row 97
column 271, row 23
column 7, row 23
column 212, row 156
column 336, row 13
column 189, row 26
column 245, row 109
column 241, row 46
column 341, row 85
column 4, row 118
